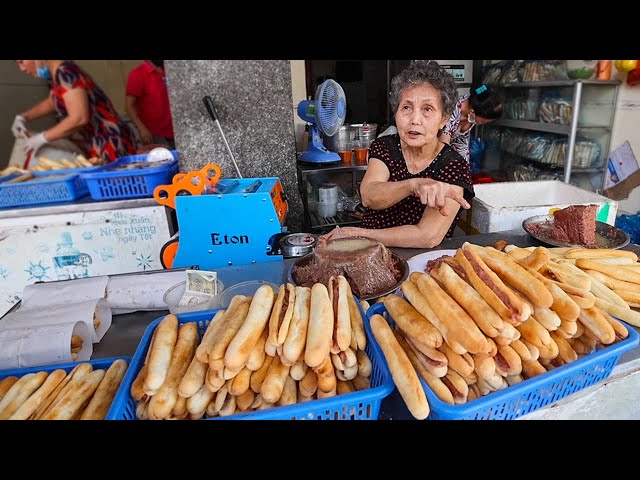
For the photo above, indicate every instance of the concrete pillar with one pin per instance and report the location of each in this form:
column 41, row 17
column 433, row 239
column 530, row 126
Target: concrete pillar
column 253, row 99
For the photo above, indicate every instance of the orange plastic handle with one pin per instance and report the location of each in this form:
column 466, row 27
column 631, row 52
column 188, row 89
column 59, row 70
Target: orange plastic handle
column 191, row 183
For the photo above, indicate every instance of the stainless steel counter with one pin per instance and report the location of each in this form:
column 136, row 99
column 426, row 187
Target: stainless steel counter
column 126, row 330
column 84, row 204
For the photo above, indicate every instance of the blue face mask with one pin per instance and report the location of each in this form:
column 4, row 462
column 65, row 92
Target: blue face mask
column 43, row 72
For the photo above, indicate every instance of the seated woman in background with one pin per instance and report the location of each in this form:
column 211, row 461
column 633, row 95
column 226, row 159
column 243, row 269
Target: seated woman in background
column 479, row 107
column 415, row 184
column 88, row 116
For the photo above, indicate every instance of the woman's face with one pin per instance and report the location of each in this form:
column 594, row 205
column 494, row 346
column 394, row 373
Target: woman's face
column 28, row 66
column 419, row 115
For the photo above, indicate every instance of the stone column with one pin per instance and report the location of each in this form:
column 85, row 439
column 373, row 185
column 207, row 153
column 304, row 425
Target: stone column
column 253, row 101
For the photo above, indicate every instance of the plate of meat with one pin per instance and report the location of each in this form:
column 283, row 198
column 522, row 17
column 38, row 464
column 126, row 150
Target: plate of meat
column 419, row 262
column 574, row 231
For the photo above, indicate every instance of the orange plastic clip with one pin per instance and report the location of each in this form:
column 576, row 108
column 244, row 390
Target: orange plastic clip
column 191, row 183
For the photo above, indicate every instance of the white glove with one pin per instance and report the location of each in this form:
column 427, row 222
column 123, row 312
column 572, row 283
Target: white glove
column 35, row 142
column 19, row 127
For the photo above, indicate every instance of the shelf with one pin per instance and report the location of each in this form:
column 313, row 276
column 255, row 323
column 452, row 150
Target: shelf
column 558, row 167
column 329, row 168
column 537, row 126
column 557, row 83
column 341, row 218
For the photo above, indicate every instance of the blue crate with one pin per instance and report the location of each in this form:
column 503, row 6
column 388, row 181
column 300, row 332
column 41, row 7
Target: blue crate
column 69, row 171
column 99, row 363
column 108, row 184
column 362, row 405
column 49, row 189
column 531, row 394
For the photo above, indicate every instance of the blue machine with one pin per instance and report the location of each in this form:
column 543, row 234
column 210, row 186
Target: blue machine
column 235, row 225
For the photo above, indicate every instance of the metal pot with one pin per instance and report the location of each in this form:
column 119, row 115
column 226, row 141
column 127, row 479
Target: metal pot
column 297, row 244
column 365, row 131
column 345, row 134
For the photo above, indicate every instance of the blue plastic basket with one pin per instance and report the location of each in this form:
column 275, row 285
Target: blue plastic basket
column 361, row 405
column 103, row 363
column 69, row 171
column 108, row 184
column 50, row 189
column 528, row 395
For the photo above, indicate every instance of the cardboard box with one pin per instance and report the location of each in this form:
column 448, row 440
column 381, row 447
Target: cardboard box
column 504, row 206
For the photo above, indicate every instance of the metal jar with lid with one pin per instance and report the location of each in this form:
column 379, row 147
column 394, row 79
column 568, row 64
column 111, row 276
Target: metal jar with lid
column 298, row 244
column 345, row 134
column 365, row 131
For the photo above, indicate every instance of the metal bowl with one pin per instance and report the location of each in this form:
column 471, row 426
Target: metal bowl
column 400, row 262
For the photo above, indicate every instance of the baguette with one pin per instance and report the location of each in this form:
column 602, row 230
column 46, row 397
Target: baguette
column 535, row 259
column 161, row 353
column 256, row 357
column 197, row 403
column 13, row 401
column 463, row 364
column 240, row 347
column 415, row 317
column 100, row 402
column 621, row 331
column 320, row 329
column 71, row 402
column 364, row 363
column 501, row 298
column 484, row 366
column 230, row 323
column 180, row 411
column 294, row 344
column 137, row 387
column 280, row 318
column 290, row 393
column 590, row 253
column 403, row 373
column 309, row 383
column 612, row 283
column 298, row 370
column 458, row 329
column 626, row 314
column 566, row 352
column 78, row 372
column 327, row 376
column 457, row 386
column 240, row 382
column 597, row 324
column 438, row 387
column 202, row 352
column 339, row 293
column 547, row 318
column 508, row 362
column 273, row 384
column 532, row 369
column 357, row 324
column 257, row 377
column 345, row 387
column 193, row 379
column 614, row 271
column 162, row 403
column 244, row 401
column 6, row 383
column 469, row 299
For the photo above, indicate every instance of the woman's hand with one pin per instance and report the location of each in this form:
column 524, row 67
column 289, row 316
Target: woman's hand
column 433, row 194
column 146, row 137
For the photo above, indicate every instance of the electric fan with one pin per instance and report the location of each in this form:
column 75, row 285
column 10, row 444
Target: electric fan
column 326, row 115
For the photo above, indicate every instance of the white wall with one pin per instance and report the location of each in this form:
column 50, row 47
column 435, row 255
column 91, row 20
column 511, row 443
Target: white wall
column 626, row 126
column 299, row 93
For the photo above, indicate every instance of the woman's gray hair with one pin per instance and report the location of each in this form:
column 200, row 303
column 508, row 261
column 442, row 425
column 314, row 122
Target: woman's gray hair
column 425, row 71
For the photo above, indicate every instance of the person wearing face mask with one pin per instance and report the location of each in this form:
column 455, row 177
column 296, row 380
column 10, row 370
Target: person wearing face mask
column 88, row 117
column 147, row 103
column 415, row 185
column 479, row 107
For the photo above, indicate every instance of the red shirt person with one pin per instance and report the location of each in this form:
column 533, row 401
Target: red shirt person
column 88, row 118
column 147, row 103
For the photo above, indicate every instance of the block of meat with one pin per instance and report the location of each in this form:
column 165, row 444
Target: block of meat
column 575, row 224
column 366, row 264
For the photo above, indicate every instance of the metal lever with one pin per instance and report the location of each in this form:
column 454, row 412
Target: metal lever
column 208, row 103
column 225, row 188
column 253, row 187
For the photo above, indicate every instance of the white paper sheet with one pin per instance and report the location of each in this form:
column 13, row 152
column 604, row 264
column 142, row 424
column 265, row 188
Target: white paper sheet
column 141, row 292
column 64, row 313
column 30, row 346
column 64, row 292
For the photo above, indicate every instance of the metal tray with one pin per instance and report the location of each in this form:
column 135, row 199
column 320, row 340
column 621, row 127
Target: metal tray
column 401, row 263
column 607, row 236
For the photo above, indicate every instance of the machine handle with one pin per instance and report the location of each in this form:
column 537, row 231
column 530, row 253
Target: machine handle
column 208, row 103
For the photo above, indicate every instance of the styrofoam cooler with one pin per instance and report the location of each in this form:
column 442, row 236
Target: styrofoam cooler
column 505, row 205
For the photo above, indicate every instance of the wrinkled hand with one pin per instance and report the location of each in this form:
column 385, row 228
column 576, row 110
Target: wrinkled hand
column 19, row 126
column 35, row 142
column 433, row 194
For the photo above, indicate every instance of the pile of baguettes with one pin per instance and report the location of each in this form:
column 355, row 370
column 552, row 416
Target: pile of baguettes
column 263, row 351
column 486, row 319
column 82, row 394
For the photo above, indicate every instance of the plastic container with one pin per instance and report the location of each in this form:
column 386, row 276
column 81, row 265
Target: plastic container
column 100, row 363
column 69, row 171
column 247, row 288
column 495, row 207
column 110, row 184
column 47, row 189
column 174, row 294
column 362, row 405
column 532, row 394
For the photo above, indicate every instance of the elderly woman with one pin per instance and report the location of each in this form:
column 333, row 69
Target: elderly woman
column 415, row 184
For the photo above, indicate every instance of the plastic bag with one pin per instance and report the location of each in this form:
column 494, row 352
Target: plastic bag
column 630, row 224
column 476, row 153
